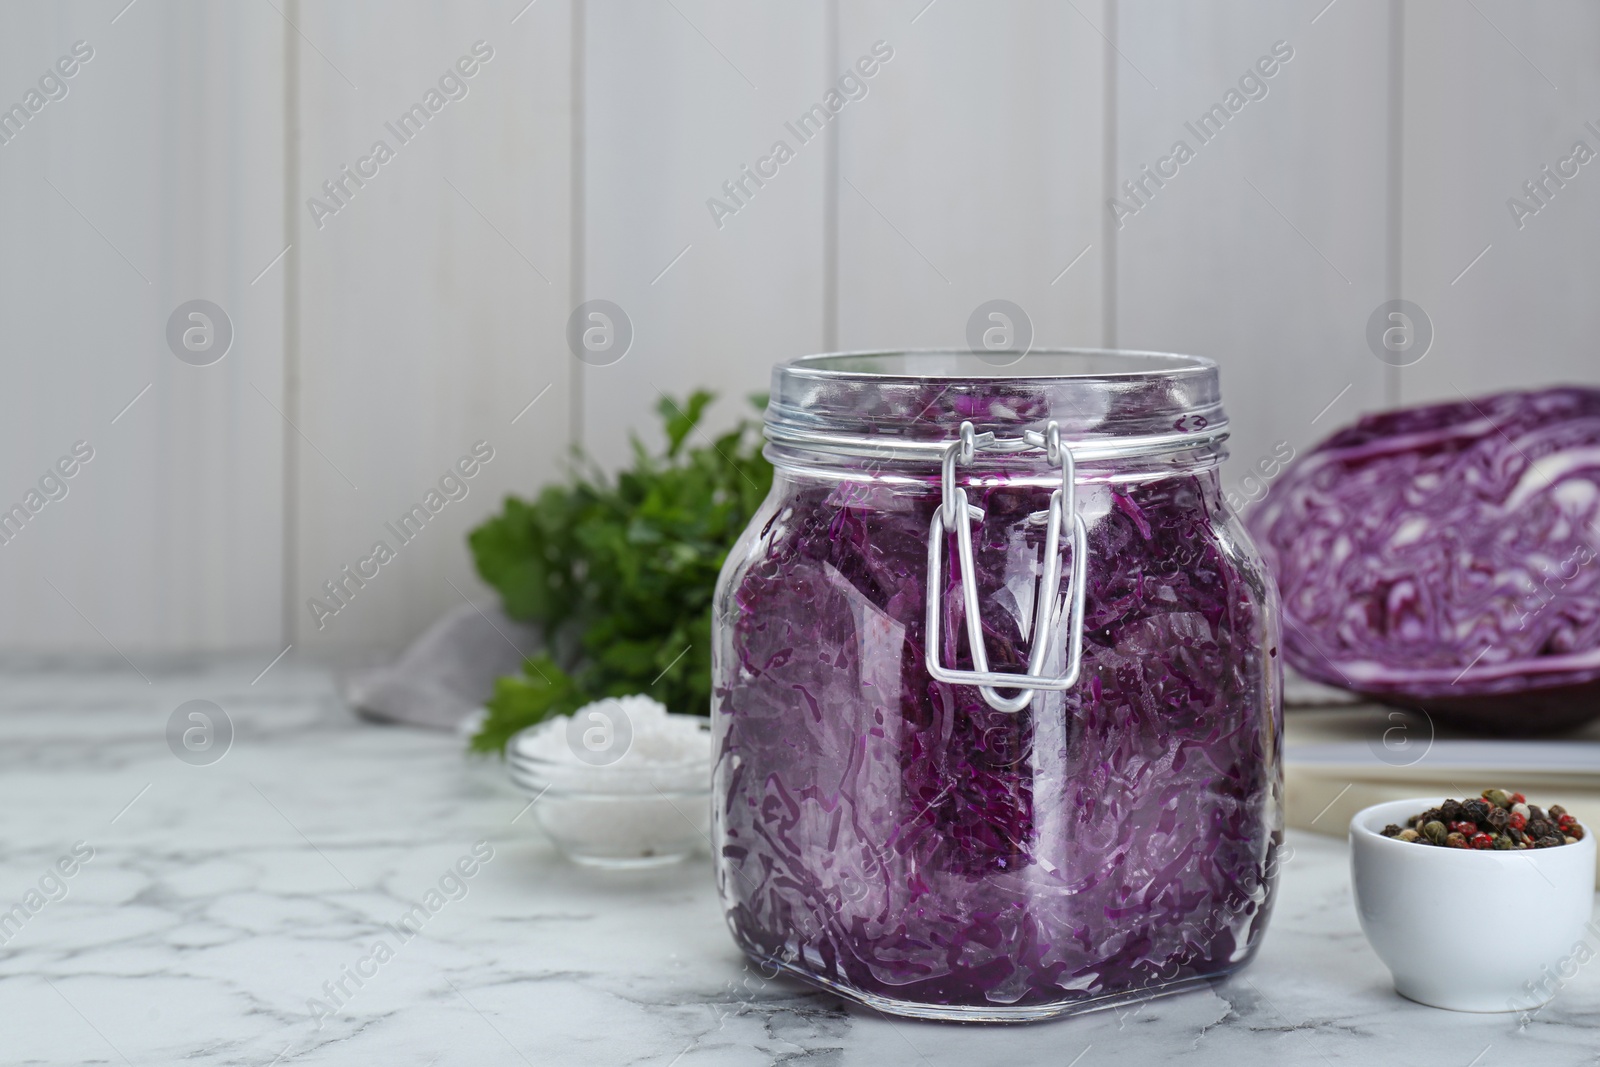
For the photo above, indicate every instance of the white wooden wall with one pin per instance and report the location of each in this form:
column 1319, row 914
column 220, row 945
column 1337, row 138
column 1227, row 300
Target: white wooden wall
column 1489, row 100
column 428, row 312
column 432, row 306
column 1268, row 250
column 158, row 179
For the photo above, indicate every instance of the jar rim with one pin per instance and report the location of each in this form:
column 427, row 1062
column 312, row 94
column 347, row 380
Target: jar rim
column 1107, row 403
column 1138, row 363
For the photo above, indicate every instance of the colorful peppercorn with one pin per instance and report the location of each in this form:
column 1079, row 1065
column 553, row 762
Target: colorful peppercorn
column 1498, row 820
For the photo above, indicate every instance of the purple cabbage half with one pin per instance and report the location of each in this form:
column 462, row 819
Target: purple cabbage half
column 1443, row 557
column 896, row 838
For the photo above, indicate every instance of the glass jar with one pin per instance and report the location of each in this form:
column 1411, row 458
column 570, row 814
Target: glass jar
column 996, row 687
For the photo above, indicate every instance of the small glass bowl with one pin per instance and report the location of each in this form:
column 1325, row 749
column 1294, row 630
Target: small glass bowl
column 622, row 815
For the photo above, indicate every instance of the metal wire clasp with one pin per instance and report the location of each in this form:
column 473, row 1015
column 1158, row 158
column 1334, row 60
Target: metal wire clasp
column 955, row 511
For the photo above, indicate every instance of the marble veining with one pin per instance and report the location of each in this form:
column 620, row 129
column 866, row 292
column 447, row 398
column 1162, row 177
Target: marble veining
column 221, row 900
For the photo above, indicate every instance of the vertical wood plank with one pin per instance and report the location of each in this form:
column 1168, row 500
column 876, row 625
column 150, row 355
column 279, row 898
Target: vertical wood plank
column 973, row 172
column 679, row 98
column 432, row 302
column 1267, row 250
column 155, row 180
column 1494, row 93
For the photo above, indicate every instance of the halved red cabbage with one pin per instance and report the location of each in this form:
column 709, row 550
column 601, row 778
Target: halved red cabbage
column 1444, row 557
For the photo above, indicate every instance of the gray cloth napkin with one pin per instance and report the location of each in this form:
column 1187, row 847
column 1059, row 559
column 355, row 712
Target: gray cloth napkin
column 447, row 673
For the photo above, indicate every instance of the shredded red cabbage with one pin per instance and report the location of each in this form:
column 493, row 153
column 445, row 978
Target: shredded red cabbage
column 894, row 837
column 1444, row 557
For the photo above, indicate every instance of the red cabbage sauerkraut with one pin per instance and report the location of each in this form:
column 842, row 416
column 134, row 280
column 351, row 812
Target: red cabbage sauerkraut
column 1443, row 557
column 897, row 839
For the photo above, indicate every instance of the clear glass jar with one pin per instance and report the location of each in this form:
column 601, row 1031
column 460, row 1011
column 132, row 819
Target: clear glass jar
column 964, row 848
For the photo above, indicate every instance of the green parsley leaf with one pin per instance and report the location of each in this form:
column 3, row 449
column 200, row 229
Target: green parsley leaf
column 617, row 574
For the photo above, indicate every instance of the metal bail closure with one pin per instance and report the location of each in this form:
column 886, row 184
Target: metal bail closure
column 954, row 511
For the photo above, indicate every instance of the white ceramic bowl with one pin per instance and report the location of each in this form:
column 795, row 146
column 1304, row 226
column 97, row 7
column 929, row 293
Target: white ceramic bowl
column 1431, row 914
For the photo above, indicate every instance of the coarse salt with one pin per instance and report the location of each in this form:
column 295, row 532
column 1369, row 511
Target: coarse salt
column 657, row 737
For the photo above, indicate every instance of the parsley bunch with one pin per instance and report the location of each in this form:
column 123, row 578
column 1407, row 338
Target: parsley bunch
column 618, row 575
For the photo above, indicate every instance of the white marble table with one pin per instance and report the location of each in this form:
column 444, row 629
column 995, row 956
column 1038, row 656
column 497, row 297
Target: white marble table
column 221, row 898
